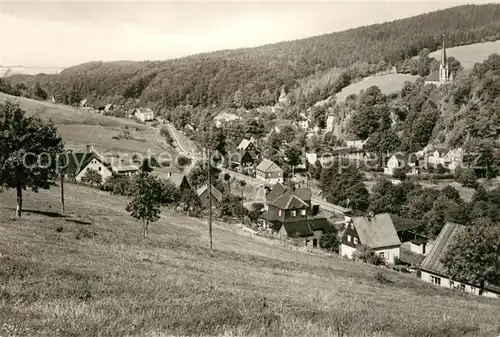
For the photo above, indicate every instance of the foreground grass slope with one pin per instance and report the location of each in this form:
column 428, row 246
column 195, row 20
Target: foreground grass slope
column 79, row 128
column 58, row 279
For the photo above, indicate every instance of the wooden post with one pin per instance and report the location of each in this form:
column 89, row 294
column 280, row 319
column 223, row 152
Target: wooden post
column 209, row 194
column 62, row 190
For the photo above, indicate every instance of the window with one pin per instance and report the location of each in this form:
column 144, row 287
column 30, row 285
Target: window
column 355, row 241
column 382, row 255
column 461, row 287
column 294, row 213
column 279, row 212
column 349, row 238
column 436, row 280
column 303, row 212
column 452, row 284
column 99, row 168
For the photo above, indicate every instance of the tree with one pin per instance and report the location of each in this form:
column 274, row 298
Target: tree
column 399, row 173
column 293, row 155
column 367, row 255
column 28, row 151
column 147, row 196
column 468, row 177
column 227, row 179
column 330, row 240
column 472, row 257
column 39, row 92
column 92, row 177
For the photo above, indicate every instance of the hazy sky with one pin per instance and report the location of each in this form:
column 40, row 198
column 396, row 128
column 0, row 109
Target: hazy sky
column 43, row 33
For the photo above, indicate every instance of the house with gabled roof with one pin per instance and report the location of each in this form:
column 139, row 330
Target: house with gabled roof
column 204, row 196
column 432, row 269
column 375, row 231
column 246, row 145
column 400, row 160
column 279, row 124
column 269, row 172
column 436, row 156
column 289, row 215
column 109, row 107
column 77, row 164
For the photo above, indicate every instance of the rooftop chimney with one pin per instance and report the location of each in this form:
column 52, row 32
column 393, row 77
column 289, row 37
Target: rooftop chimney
column 371, row 215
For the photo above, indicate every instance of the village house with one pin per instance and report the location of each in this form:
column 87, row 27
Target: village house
column 144, row 115
column 279, row 124
column 355, row 143
column 289, row 214
column 435, row 157
column 303, row 121
column 225, row 117
column 410, row 239
column 454, row 158
column 432, row 269
column 269, row 172
column 204, row 196
column 125, row 170
column 246, row 145
column 375, row 231
column 84, row 104
column 401, row 160
column 109, row 107
column 243, row 160
column 78, row 163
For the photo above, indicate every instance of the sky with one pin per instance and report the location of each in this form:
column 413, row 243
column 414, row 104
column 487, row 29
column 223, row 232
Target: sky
column 65, row 33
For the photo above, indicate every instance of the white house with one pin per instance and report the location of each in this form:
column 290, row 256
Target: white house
column 78, row 163
column 144, row 115
column 357, row 144
column 400, row 160
column 454, row 158
column 436, row 156
column 303, row 121
column 84, row 104
column 330, row 123
column 109, row 107
column 269, row 172
column 432, row 269
column 375, row 231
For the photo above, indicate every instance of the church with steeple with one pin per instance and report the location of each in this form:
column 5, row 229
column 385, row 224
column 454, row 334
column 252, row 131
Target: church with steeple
column 444, row 75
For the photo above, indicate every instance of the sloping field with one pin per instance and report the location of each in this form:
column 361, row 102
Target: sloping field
column 470, row 54
column 388, row 84
column 79, row 128
column 59, row 279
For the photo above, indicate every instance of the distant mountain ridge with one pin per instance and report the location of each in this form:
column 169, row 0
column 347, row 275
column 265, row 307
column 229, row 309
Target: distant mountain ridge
column 253, row 77
column 10, row 70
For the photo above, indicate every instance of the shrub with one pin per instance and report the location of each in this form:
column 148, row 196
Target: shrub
column 381, row 278
column 330, row 240
column 367, row 255
column 117, row 185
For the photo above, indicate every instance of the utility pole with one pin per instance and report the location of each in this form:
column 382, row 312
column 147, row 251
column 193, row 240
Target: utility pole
column 210, row 189
column 61, row 177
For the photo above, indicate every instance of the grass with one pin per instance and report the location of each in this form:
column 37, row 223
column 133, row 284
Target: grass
column 79, row 128
column 58, row 278
column 388, row 84
column 470, row 54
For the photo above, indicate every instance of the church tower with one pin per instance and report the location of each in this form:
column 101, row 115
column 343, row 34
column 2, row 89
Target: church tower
column 444, row 72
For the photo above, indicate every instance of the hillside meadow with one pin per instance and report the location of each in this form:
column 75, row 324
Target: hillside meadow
column 88, row 273
column 78, row 128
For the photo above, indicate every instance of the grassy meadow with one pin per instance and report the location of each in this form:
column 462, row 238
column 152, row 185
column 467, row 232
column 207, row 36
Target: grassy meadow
column 388, row 84
column 88, row 273
column 470, row 54
column 79, row 127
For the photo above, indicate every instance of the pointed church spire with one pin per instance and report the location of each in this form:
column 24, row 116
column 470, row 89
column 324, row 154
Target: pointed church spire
column 444, row 59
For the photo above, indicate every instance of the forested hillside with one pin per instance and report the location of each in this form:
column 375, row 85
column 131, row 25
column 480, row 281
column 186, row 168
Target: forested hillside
column 318, row 66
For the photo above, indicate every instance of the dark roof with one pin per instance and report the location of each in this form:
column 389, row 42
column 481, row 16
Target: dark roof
column 277, row 190
column 406, row 157
column 432, row 262
column 74, row 162
column 303, row 228
column 402, row 224
column 419, row 241
column 376, row 231
column 289, row 200
column 240, row 155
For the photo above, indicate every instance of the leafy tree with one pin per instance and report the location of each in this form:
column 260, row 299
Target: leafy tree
column 92, row 177
column 28, row 151
column 39, row 92
column 451, row 193
column 330, row 240
column 399, row 173
column 199, row 174
column 293, row 155
column 147, row 196
column 473, row 255
column 468, row 177
column 480, row 194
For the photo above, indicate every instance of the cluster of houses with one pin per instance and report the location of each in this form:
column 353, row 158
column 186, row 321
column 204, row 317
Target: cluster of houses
column 141, row 114
column 429, row 157
column 395, row 239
